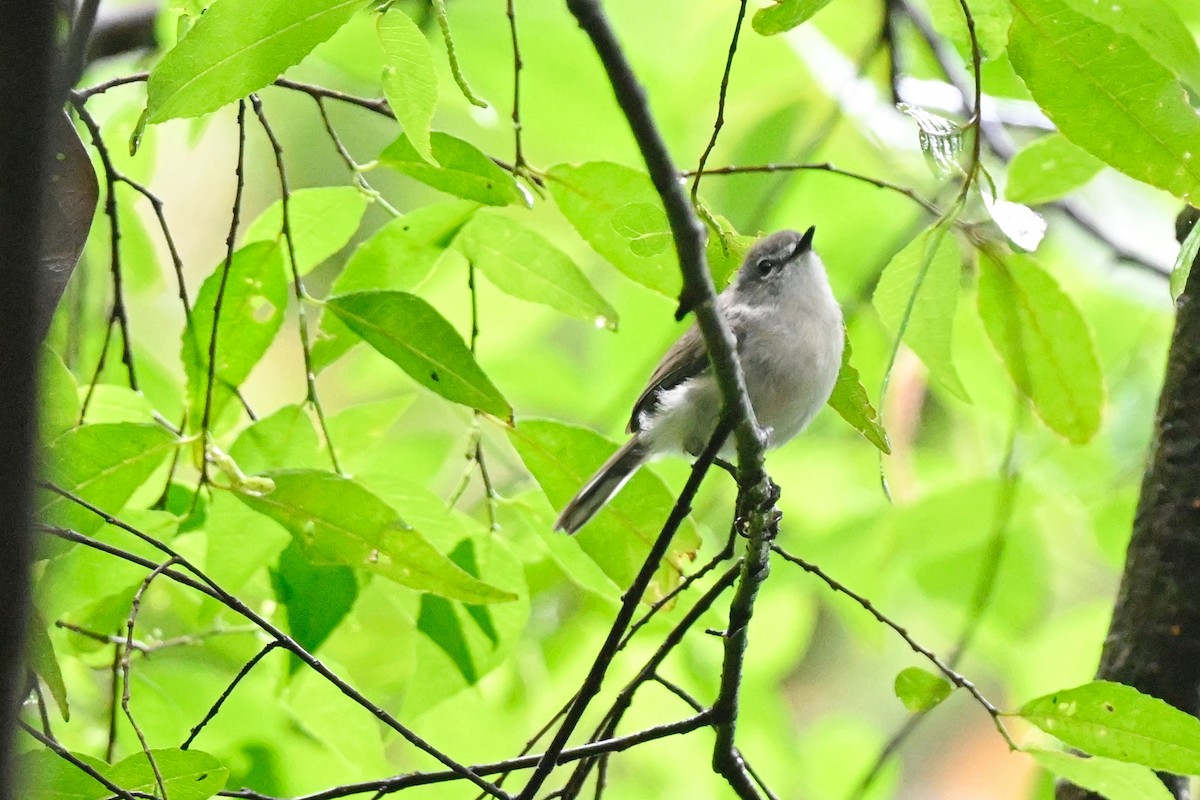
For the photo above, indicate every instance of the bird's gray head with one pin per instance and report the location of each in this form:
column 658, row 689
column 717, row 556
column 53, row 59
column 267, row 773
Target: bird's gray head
column 779, row 263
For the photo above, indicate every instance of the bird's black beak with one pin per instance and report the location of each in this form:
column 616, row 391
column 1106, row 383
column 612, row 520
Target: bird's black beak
column 806, row 240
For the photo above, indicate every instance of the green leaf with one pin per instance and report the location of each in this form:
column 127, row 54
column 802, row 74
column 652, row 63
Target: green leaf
column 45, row 664
column 850, row 400
column 252, row 311
column 419, row 340
column 561, row 458
column 1114, row 780
column 916, row 297
column 402, row 253
column 187, row 774
column 1117, row 721
column 646, row 227
column 113, row 403
column 921, row 690
column 1157, row 27
column 58, row 397
column 1080, row 70
column 103, row 464
column 601, row 200
column 409, row 78
column 337, row 521
column 465, row 170
column 991, row 17
column 323, row 220
column 237, row 48
column 523, row 264
column 44, row 775
column 1045, row 343
column 785, row 15
column 437, row 620
column 279, row 441
column 464, row 556
column 1047, row 169
column 1182, row 268
column 317, row 597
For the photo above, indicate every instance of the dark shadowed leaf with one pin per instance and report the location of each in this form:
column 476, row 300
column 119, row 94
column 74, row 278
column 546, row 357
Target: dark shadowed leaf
column 40, row 653
column 317, row 597
column 68, row 206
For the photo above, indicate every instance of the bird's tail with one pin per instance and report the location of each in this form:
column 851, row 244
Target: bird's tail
column 607, row 481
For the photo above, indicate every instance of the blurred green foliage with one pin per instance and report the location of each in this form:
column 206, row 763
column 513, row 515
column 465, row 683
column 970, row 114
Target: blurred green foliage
column 1018, row 422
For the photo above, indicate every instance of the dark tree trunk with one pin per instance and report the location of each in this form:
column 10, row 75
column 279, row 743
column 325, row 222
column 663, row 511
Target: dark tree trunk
column 1153, row 641
column 27, row 67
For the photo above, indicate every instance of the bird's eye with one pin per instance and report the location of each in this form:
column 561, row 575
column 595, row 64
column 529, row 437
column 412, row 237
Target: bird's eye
column 766, row 266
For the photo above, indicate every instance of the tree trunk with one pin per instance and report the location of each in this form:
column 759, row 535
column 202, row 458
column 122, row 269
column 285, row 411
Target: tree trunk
column 1153, row 641
column 27, row 68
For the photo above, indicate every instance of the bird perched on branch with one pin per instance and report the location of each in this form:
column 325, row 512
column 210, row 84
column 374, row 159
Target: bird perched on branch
column 789, row 334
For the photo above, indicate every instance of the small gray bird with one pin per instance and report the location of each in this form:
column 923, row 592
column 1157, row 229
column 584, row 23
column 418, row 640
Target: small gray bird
column 789, row 333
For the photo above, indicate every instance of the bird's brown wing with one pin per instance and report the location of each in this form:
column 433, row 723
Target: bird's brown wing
column 686, row 358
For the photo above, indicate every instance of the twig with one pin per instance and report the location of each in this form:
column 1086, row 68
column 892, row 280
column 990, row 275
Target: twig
column 126, row 691
column 824, row 166
column 118, row 312
column 985, row 585
column 519, row 154
column 351, row 164
column 762, row 520
column 100, row 88
column 230, row 244
column 285, row 194
column 942, row 667
column 475, row 436
column 216, row 707
column 376, row 104
column 203, row 583
column 80, row 764
column 76, row 49
column 689, row 235
column 624, row 700
column 149, row 648
column 40, row 699
column 590, row 686
column 683, row 586
column 720, row 121
column 400, row 782
column 114, row 700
